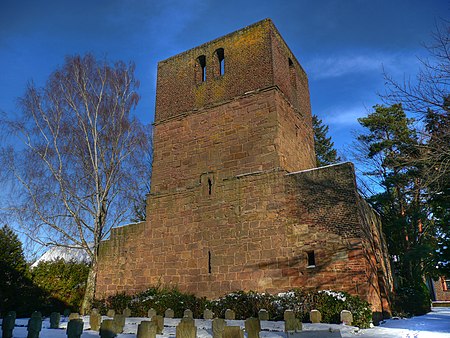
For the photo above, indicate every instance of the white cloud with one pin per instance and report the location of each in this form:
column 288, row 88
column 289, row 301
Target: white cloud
column 344, row 116
column 341, row 65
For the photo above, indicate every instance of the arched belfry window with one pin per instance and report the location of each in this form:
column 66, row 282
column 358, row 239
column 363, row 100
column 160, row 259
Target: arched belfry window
column 220, row 54
column 202, row 63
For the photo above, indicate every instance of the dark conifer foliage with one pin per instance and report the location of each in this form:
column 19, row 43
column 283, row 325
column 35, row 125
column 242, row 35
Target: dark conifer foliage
column 324, row 147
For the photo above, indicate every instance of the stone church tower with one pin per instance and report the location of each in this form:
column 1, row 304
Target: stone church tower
column 236, row 201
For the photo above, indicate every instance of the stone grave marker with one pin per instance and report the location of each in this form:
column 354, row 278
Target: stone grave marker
column 108, row 329
column 66, row 312
column 230, row 314
column 188, row 314
column 263, row 314
column 315, row 316
column 218, row 325
column 34, row 325
column 208, row 314
column 159, row 321
column 126, row 312
column 75, row 328
column 169, row 313
column 253, row 327
column 346, row 317
column 146, row 329
column 95, row 320
column 74, row 315
column 151, row 313
column 111, row 313
column 55, row 318
column 8, row 324
column 186, row 328
column 119, row 322
column 233, row 332
column 291, row 324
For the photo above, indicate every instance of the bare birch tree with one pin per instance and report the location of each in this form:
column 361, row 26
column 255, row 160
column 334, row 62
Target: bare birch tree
column 77, row 169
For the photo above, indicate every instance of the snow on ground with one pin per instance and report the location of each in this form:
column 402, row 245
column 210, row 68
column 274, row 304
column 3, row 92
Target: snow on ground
column 435, row 324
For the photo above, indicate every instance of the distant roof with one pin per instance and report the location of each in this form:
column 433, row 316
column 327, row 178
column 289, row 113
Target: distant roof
column 66, row 254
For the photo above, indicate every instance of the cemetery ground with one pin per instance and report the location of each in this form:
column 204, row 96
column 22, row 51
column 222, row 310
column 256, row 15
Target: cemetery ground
column 435, row 324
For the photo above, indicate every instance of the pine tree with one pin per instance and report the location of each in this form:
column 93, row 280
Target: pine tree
column 325, row 153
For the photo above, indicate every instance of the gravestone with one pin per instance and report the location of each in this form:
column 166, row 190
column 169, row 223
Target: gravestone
column 188, row 314
column 95, row 320
column 315, row 316
column 74, row 328
column 159, row 321
column 111, row 313
column 55, row 318
column 74, row 315
column 208, row 314
column 151, row 313
column 233, row 332
column 12, row 314
column 108, row 329
column 8, row 324
column 218, row 325
column 66, row 312
column 186, row 328
column 119, row 322
column 169, row 313
column 230, row 314
column 34, row 325
column 291, row 324
column 253, row 327
column 263, row 314
column 146, row 329
column 126, row 312
column 346, row 317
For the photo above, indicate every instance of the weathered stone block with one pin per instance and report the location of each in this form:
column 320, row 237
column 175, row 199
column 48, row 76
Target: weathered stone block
column 95, row 320
column 252, row 327
column 55, row 318
column 75, row 328
column 233, row 332
column 151, row 313
column 159, row 321
column 208, row 314
column 346, row 317
column 169, row 313
column 119, row 322
column 218, row 325
column 188, row 314
column 126, row 312
column 186, row 328
column 146, row 329
column 34, row 325
column 230, row 314
column 108, row 329
column 263, row 314
column 110, row 313
column 315, row 316
column 8, row 325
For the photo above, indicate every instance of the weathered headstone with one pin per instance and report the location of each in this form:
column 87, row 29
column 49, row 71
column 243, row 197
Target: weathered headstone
column 151, row 313
column 263, row 314
column 146, row 329
column 188, row 314
column 74, row 328
column 233, row 332
column 186, row 328
column 346, row 317
column 208, row 314
column 253, row 327
column 34, row 325
column 315, row 316
column 95, row 320
column 218, row 325
column 119, row 322
column 55, row 318
column 126, row 312
column 291, row 324
column 230, row 314
column 108, row 329
column 159, row 321
column 8, row 324
column 74, row 315
column 66, row 312
column 111, row 313
column 12, row 313
column 169, row 313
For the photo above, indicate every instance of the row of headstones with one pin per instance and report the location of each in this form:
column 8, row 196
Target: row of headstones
column 111, row 327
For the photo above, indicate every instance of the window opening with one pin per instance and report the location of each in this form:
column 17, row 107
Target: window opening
column 446, row 285
column 202, row 62
column 291, row 64
column 311, row 258
column 209, row 261
column 209, row 186
column 221, row 57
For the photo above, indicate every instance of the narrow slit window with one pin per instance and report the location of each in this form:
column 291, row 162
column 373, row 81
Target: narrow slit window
column 221, row 58
column 311, row 258
column 209, row 186
column 291, row 64
column 202, row 62
column 209, row 261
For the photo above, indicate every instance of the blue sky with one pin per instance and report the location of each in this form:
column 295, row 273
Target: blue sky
column 342, row 45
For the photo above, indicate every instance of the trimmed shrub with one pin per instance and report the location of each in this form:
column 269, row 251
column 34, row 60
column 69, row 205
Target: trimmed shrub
column 412, row 300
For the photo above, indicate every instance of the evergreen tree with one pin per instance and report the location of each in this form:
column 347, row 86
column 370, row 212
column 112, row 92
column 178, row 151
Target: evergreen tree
column 325, row 153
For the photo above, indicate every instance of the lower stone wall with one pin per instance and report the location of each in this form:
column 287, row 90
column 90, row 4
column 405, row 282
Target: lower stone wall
column 249, row 232
column 441, row 290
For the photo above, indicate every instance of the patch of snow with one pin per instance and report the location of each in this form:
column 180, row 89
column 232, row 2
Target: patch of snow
column 66, row 254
